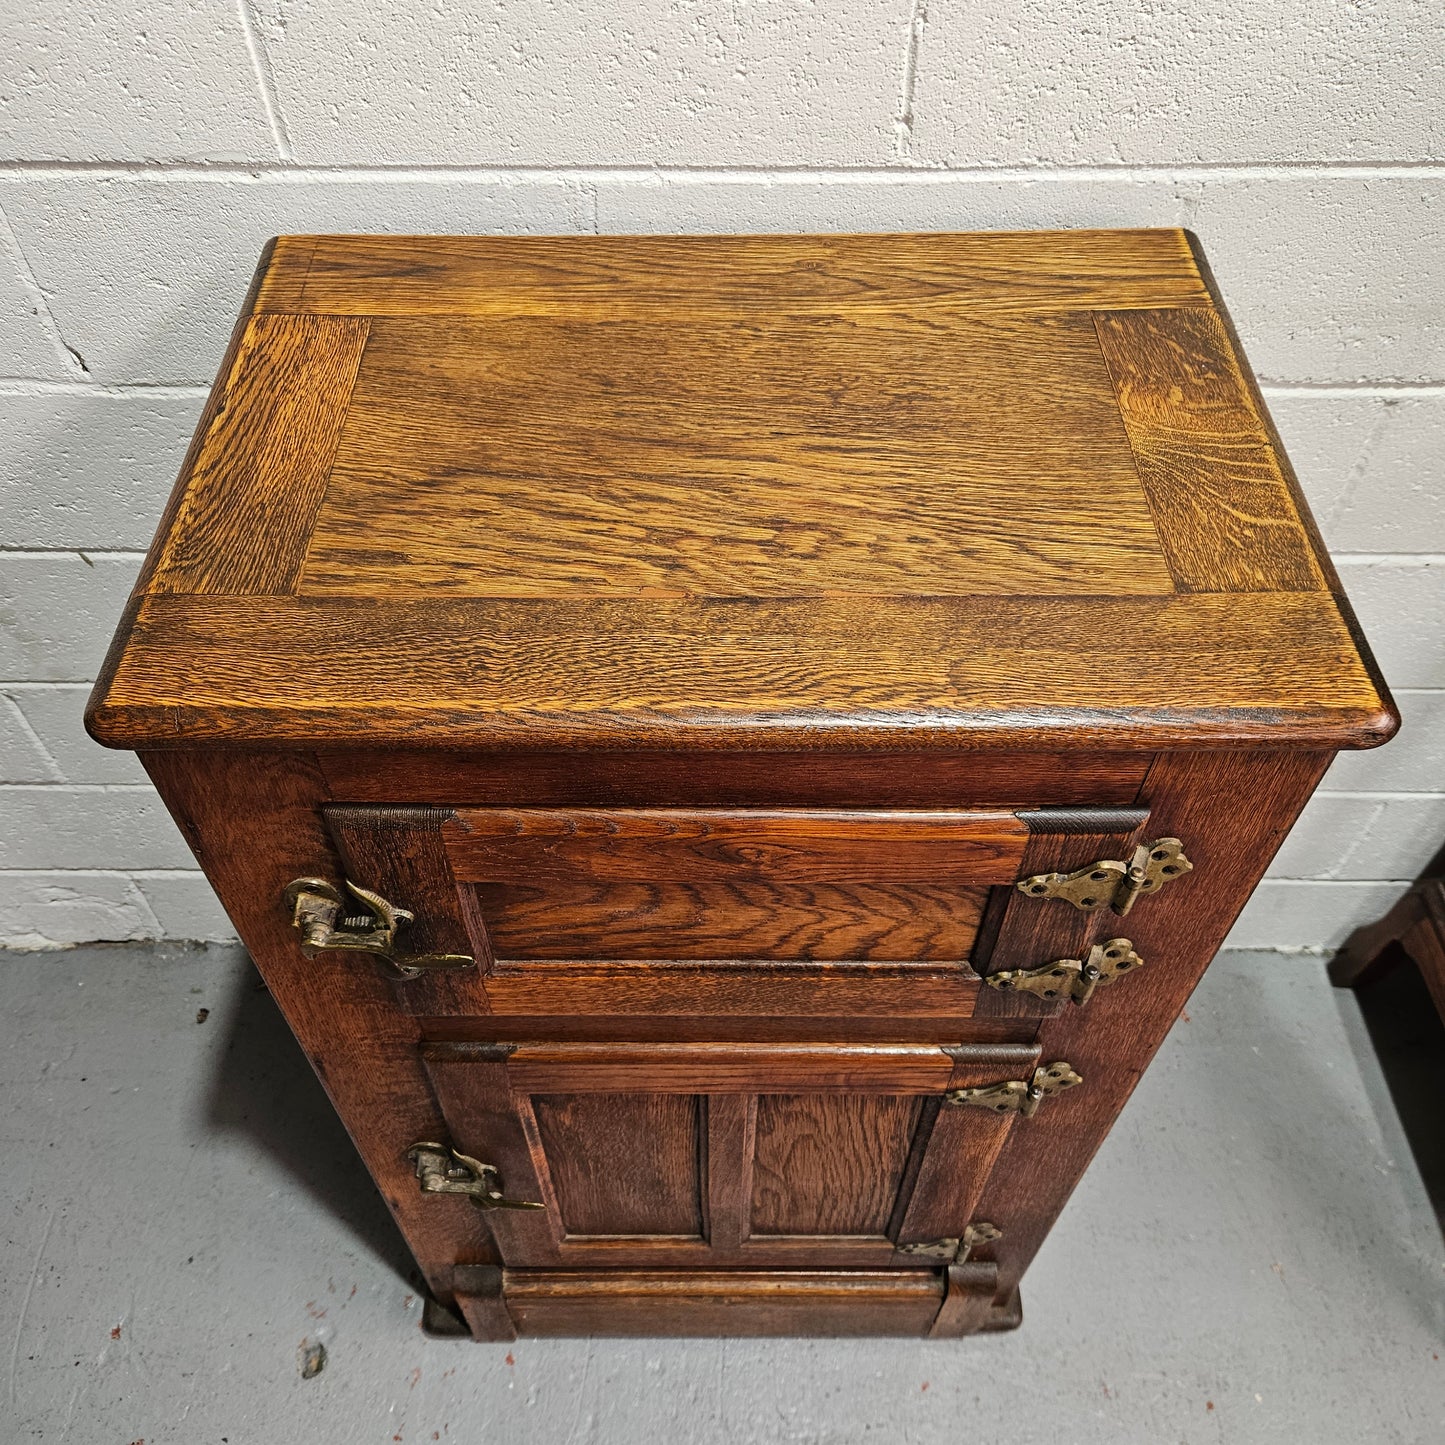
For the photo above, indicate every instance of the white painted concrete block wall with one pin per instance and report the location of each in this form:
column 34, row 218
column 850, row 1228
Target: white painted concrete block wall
column 149, row 149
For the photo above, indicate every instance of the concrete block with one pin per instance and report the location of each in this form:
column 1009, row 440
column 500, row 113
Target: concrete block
column 1373, row 467
column 185, row 906
column 1287, row 914
column 53, row 711
column 55, row 910
column 149, row 80
column 58, row 612
column 23, row 758
column 1334, row 279
column 593, row 82
column 1412, row 762
column 1097, row 83
column 73, row 826
column 1358, row 837
column 1331, row 279
column 90, row 471
column 27, row 348
column 901, row 201
column 147, row 272
column 1401, row 605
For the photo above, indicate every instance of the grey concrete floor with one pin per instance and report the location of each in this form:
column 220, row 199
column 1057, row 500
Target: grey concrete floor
column 1254, row 1256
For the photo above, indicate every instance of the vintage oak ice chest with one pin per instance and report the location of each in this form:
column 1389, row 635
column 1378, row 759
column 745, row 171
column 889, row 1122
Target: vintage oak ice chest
column 731, row 753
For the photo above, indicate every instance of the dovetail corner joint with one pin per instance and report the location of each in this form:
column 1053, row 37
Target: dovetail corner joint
column 1019, row 1096
column 1111, row 882
column 1072, row 978
column 441, row 1170
column 317, row 914
column 955, row 1251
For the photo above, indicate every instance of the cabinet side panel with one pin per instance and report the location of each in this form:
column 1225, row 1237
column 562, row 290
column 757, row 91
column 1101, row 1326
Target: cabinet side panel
column 1232, row 810
column 254, row 823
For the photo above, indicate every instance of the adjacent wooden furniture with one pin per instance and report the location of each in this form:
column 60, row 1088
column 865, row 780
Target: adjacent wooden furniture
column 1413, row 929
column 731, row 753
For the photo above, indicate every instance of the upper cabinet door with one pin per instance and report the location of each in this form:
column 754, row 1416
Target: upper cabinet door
column 729, row 913
column 736, row 1155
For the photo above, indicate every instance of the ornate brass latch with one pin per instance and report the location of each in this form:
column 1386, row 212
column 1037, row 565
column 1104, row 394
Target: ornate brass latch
column 316, row 912
column 1112, row 883
column 1018, row 1096
column 1074, row 978
column 955, row 1251
column 441, row 1170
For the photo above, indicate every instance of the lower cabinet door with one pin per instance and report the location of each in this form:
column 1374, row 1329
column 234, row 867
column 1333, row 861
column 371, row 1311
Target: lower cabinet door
column 729, row 1155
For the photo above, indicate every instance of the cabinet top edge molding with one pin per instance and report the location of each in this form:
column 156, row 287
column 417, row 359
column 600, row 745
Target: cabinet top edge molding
column 735, row 493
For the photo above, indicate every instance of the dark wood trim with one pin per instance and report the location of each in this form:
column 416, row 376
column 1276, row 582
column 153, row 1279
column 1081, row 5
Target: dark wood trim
column 483, row 1303
column 717, row 1303
column 809, row 779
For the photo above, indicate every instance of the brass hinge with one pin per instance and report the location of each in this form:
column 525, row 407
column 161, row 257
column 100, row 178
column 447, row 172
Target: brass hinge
column 1018, row 1096
column 1112, row 883
column 441, row 1170
column 1074, row 978
column 316, row 913
column 955, row 1251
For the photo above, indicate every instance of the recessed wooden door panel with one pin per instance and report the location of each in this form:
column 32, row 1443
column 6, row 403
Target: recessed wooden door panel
column 718, row 912
column 699, row 1156
column 665, row 919
column 639, row 888
column 623, row 1163
column 829, row 1164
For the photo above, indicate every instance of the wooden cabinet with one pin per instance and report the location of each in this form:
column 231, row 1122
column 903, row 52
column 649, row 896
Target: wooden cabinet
column 731, row 753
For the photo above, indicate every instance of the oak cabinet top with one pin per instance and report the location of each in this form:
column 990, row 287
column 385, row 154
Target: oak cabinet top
column 905, row 491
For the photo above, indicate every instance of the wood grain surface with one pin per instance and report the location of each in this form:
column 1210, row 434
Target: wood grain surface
column 624, row 1163
column 1227, row 519
column 747, row 919
column 741, row 493
column 724, row 1302
column 972, row 1302
column 808, row 457
column 829, row 1163
column 666, row 1068
column 732, row 1121
column 1201, row 670
column 525, row 845
column 255, row 481
column 671, row 276
column 694, row 997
